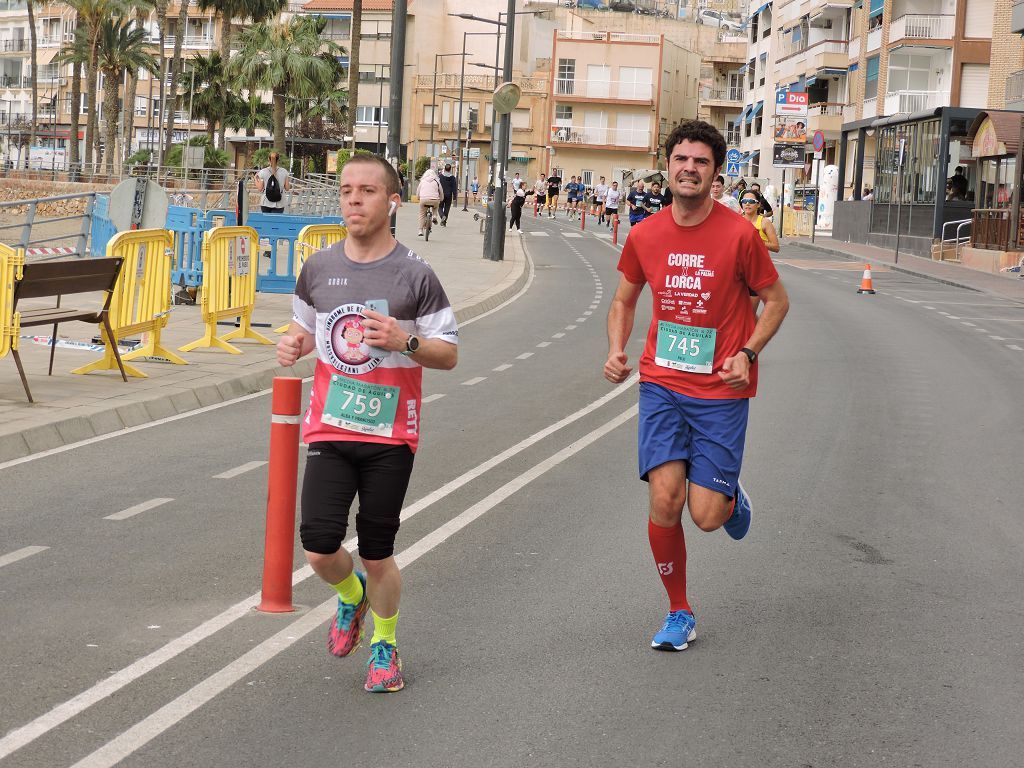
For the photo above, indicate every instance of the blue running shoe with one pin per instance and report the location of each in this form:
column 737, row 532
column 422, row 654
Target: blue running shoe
column 739, row 523
column 676, row 633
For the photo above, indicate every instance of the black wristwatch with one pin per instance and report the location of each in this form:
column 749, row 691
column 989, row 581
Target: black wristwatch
column 751, row 355
column 411, row 345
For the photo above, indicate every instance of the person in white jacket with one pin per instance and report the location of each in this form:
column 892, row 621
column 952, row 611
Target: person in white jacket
column 430, row 195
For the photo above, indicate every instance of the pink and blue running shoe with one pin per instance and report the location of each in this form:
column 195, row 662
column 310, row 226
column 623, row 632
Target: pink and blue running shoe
column 347, row 627
column 676, row 633
column 384, row 669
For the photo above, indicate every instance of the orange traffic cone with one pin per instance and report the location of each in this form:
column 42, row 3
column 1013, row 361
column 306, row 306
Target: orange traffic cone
column 865, row 282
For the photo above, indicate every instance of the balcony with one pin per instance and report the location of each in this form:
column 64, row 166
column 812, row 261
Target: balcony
column 849, row 113
column 603, row 138
column 870, row 108
column 612, row 90
column 914, row 101
column 609, row 37
column 833, row 54
column 15, row 81
column 1015, row 91
column 201, row 42
column 827, row 117
column 874, row 40
column 854, row 49
column 721, row 97
column 922, row 27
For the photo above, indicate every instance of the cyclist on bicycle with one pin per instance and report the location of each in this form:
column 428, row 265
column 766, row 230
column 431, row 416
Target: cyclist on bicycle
column 430, row 194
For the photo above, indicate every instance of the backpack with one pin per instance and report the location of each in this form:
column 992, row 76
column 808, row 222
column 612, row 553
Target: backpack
column 273, row 189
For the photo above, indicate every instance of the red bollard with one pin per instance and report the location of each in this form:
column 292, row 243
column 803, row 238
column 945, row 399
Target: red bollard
column 583, row 219
column 281, row 489
column 615, row 230
column 535, row 209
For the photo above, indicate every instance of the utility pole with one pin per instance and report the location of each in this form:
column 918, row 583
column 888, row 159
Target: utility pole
column 397, row 86
column 504, row 136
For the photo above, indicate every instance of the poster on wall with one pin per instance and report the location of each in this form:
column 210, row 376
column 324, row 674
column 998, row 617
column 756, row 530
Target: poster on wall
column 789, row 155
column 790, row 132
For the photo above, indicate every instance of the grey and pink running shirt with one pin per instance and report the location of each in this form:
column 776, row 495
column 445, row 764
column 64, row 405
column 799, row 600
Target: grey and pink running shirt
column 330, row 296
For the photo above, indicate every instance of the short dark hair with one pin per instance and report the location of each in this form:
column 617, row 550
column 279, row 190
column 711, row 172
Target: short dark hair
column 698, row 130
column 391, row 180
column 720, row 180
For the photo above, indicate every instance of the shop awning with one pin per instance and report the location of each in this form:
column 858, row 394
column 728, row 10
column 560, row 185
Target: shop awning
column 854, row 67
column 761, row 8
column 743, row 69
column 994, row 134
column 756, row 110
column 812, row 79
column 832, row 71
column 743, row 115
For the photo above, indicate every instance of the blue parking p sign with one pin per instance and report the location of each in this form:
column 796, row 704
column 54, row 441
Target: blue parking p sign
column 732, row 169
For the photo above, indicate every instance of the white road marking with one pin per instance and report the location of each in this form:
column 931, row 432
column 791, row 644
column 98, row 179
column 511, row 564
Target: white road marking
column 524, row 356
column 558, row 335
column 602, row 236
column 432, row 398
column 571, row 234
column 248, row 466
column 981, row 330
column 539, row 233
column 20, row 554
column 1014, row 347
column 111, row 684
column 503, row 367
column 570, row 327
column 581, row 319
column 473, row 381
column 544, row 344
column 138, row 509
column 997, row 338
column 964, row 322
column 117, row 749
column 588, row 313
column 929, row 307
column 952, row 317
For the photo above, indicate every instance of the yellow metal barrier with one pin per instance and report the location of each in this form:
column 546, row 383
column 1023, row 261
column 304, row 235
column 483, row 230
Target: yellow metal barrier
column 313, row 238
column 797, row 223
column 142, row 298
column 229, row 286
column 11, row 262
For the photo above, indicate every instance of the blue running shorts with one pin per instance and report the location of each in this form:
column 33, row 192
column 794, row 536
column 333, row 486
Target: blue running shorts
column 707, row 434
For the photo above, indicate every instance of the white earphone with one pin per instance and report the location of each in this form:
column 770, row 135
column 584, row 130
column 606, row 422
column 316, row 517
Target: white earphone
column 393, row 208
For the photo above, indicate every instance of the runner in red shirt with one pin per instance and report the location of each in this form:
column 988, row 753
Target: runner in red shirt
column 698, row 369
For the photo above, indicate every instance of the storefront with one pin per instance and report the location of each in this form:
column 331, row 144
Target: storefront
column 912, row 198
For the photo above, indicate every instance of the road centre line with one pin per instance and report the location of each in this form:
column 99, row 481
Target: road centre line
column 558, row 335
column 247, row 467
column 473, row 381
column 138, row 509
column 570, row 327
column 225, row 403
column 149, row 728
column 524, row 356
column 20, row 554
column 432, row 398
column 61, row 713
column 1015, row 348
column 502, row 367
column 544, row 344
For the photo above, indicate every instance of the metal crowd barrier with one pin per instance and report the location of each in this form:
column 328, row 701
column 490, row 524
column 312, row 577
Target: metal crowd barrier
column 11, row 262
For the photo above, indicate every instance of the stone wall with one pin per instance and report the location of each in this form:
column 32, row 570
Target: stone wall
column 15, row 190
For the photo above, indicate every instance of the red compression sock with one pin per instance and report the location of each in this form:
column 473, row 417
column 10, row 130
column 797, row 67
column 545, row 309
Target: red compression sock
column 669, row 549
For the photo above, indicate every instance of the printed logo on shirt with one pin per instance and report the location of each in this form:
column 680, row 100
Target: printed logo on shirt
column 344, row 347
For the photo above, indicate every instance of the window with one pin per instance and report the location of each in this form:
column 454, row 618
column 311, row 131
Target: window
column 428, row 114
column 563, row 114
column 762, row 65
column 871, row 78
column 636, row 82
column 140, row 106
column 566, row 81
column 371, row 115
column 920, row 163
column 521, row 118
column 588, row 178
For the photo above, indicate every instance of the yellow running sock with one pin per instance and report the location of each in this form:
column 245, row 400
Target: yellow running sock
column 384, row 629
column 350, row 590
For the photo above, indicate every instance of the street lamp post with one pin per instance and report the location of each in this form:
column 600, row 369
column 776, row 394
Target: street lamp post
column 380, row 101
column 433, row 96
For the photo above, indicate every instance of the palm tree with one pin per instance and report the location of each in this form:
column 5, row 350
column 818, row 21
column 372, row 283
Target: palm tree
column 142, row 11
column 353, row 68
column 287, row 59
column 248, row 114
column 90, row 16
column 227, row 10
column 161, row 19
column 207, row 91
column 33, row 46
column 122, row 48
column 176, row 64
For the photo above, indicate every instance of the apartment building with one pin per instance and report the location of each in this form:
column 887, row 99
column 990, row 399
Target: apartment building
column 614, row 97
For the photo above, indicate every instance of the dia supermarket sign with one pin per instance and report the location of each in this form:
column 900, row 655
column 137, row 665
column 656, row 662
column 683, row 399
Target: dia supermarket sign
column 791, row 103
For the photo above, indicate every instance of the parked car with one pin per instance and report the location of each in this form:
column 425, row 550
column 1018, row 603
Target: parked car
column 718, row 19
column 587, row 5
column 622, row 5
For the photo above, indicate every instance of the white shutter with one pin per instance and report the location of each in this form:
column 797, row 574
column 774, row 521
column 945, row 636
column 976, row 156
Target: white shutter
column 974, row 86
column 979, row 18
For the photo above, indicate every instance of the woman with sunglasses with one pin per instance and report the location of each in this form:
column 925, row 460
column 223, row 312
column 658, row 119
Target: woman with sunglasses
column 749, row 207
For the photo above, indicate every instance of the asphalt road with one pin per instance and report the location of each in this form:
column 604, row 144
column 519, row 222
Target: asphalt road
column 872, row 617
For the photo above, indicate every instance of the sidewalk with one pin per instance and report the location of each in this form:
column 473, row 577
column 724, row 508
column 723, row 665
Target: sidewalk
column 1008, row 286
column 70, row 407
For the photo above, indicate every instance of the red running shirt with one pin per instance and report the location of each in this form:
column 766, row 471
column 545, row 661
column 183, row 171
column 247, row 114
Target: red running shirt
column 699, row 277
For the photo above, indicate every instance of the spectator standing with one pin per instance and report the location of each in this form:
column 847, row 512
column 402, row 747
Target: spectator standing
column 272, row 192
column 516, row 203
column 717, row 194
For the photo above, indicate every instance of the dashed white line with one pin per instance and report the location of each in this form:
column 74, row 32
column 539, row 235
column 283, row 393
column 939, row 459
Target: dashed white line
column 558, row 335
column 433, row 397
column 964, row 322
column 502, row 367
column 1015, row 348
column 476, row 380
column 588, row 313
column 581, row 319
column 929, row 307
column 539, row 233
column 571, row 234
column 544, row 344
column 247, row 467
column 998, row 338
column 138, row 509
column 570, row 327
column 20, row 554
column 524, row 356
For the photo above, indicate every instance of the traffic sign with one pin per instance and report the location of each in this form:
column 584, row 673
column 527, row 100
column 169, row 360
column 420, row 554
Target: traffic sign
column 733, row 155
column 732, row 169
column 792, row 103
column 819, row 141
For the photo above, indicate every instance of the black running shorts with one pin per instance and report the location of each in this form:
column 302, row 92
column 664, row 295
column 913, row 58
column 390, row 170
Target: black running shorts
column 335, row 473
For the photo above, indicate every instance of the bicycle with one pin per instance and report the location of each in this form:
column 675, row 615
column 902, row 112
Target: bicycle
column 430, row 219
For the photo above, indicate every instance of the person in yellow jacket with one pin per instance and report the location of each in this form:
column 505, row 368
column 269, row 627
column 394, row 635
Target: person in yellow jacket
column 750, row 206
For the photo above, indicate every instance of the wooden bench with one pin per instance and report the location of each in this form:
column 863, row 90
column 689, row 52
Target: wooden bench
column 60, row 278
